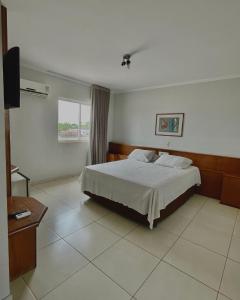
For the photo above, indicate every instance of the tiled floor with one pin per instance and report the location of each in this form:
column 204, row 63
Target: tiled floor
column 86, row 252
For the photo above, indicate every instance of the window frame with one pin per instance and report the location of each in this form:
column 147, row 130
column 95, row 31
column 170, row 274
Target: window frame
column 80, row 102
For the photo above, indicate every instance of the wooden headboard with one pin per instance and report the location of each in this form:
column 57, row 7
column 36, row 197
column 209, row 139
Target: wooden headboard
column 212, row 167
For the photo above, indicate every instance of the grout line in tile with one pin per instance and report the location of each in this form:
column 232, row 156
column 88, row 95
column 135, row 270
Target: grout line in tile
column 47, row 220
column 190, row 220
column 141, row 285
column 197, row 244
column 124, row 237
column 29, row 288
column 90, row 260
column 112, row 245
column 31, row 291
column 76, row 230
column 227, row 254
column 55, row 197
column 234, row 260
column 51, row 243
column 136, row 245
column 189, row 275
column 105, row 227
column 201, row 207
column 60, row 283
column 224, row 296
column 92, row 263
column 189, row 223
column 154, row 269
column 115, row 231
column 69, row 276
column 120, row 238
column 161, row 260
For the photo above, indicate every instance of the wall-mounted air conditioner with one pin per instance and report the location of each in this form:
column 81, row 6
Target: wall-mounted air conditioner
column 34, row 88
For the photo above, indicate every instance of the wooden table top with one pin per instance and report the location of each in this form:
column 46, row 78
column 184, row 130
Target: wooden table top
column 37, row 209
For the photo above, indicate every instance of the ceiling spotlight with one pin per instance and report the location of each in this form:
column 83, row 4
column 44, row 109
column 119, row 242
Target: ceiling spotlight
column 126, row 60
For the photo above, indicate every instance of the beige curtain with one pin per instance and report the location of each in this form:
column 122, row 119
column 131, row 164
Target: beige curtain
column 99, row 123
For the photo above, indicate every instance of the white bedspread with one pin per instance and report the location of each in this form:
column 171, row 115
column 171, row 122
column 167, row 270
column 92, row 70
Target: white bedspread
column 144, row 187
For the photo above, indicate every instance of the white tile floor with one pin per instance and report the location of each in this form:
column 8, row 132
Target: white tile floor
column 86, row 252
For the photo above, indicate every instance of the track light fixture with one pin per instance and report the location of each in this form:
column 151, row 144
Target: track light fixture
column 126, row 60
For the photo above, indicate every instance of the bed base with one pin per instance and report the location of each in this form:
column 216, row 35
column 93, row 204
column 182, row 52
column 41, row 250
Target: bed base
column 136, row 216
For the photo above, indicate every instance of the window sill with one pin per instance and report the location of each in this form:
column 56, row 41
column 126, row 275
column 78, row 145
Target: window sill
column 73, row 141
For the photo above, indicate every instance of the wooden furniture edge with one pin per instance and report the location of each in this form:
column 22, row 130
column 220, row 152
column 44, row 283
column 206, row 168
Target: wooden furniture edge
column 231, row 175
column 113, row 144
column 230, row 194
column 37, row 209
column 22, row 235
column 7, row 114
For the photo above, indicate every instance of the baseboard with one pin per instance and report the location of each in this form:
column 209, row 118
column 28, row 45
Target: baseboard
column 32, row 183
column 8, row 297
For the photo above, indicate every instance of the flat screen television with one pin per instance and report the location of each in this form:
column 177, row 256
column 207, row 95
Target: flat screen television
column 11, row 78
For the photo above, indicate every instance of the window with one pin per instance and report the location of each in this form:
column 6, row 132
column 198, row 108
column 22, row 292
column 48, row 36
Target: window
column 73, row 121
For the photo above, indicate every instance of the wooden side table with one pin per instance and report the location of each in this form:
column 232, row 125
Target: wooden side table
column 22, row 235
column 231, row 190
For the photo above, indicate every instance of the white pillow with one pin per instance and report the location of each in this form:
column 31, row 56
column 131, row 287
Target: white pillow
column 173, row 161
column 142, row 155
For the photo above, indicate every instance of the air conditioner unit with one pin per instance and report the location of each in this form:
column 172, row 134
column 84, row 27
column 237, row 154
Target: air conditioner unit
column 34, row 88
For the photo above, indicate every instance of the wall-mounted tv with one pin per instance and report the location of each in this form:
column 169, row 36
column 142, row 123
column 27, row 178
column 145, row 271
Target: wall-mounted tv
column 11, row 78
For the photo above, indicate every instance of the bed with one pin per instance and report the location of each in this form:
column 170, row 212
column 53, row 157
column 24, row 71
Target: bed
column 144, row 188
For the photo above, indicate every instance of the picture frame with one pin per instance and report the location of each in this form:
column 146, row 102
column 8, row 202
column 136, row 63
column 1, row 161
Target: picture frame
column 169, row 124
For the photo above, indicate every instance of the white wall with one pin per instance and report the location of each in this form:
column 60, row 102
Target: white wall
column 4, row 272
column 35, row 147
column 212, row 117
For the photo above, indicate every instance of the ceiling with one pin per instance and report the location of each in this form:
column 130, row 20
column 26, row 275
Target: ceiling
column 176, row 41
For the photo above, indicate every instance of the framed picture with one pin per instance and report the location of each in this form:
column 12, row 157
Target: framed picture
column 169, row 124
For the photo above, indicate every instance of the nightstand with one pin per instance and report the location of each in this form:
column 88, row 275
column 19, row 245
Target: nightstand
column 231, row 190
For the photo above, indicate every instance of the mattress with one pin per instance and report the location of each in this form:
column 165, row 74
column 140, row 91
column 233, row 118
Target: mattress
column 144, row 187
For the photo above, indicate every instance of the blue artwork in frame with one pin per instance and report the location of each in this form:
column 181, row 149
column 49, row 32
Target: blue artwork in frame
column 169, row 124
